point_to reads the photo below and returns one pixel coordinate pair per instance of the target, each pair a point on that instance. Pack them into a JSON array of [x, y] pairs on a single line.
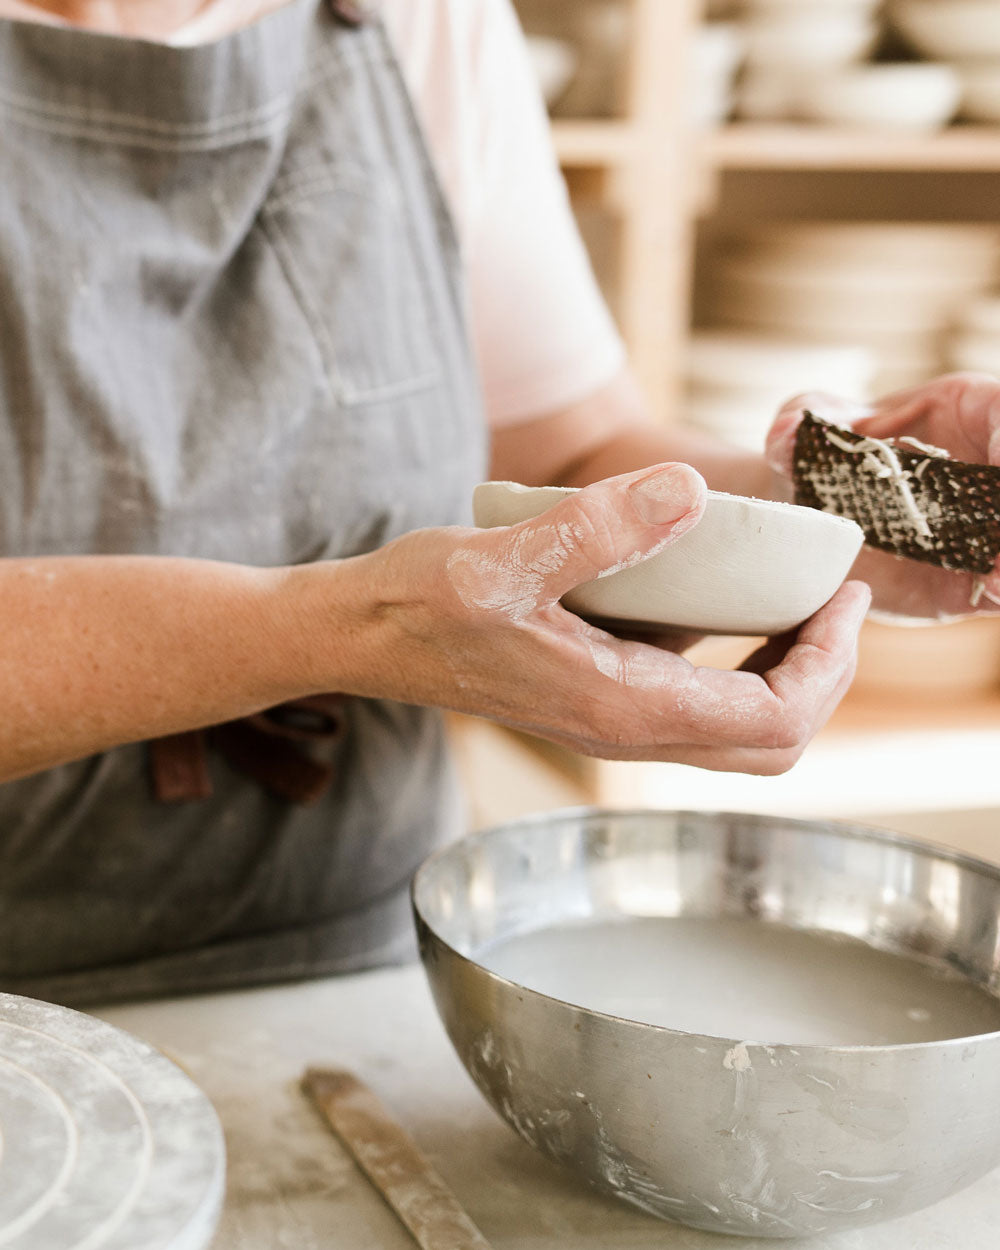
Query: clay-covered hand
[[960, 413], [472, 620]]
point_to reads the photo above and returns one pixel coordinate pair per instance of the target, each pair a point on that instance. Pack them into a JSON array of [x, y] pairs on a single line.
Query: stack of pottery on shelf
[[580, 51], [808, 60], [736, 382], [894, 289], [966, 35]]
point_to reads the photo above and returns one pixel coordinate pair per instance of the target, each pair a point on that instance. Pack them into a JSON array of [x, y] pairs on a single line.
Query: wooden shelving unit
[[664, 174], [969, 149], [594, 144]]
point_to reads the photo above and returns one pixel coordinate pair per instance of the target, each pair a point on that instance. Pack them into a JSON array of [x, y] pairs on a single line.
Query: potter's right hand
[[471, 620]]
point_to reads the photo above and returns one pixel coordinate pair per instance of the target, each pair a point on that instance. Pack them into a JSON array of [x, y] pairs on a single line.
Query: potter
[[282, 282]]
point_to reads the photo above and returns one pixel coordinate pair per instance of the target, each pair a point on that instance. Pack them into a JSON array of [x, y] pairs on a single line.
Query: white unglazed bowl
[[899, 97], [750, 566]]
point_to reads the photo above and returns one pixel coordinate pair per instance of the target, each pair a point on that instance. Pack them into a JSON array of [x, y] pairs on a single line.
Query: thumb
[[779, 449], [608, 526]]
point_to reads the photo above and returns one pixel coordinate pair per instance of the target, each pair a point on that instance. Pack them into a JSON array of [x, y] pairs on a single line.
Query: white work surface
[[292, 1187]]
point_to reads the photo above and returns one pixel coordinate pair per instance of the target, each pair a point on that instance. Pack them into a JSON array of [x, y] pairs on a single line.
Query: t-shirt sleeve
[[542, 331]]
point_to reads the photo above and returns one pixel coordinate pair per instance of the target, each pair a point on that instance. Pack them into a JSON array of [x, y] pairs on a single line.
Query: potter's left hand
[[959, 413]]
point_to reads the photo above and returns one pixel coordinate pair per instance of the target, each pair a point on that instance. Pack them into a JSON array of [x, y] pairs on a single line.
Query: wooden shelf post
[[657, 171]]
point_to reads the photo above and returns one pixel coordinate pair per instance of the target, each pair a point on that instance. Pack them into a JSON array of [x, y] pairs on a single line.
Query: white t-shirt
[[542, 332]]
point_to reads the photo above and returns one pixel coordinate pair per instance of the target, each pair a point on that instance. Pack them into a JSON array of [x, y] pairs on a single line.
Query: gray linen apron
[[230, 327]]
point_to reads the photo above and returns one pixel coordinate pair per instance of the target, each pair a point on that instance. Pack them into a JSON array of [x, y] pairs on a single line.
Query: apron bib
[[231, 327]]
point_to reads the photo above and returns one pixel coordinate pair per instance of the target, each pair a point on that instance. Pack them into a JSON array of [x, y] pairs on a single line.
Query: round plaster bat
[[750, 566], [104, 1143]]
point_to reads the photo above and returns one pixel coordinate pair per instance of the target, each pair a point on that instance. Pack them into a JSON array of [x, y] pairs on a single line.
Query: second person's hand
[[960, 413]]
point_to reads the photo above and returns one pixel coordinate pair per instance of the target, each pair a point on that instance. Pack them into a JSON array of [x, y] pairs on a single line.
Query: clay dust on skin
[[514, 584], [513, 580], [508, 581]]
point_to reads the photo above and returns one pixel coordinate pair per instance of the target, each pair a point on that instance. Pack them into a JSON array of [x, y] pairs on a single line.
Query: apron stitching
[[380, 56], [309, 187], [390, 390], [135, 121], [273, 233], [80, 130], [442, 211], [106, 122]]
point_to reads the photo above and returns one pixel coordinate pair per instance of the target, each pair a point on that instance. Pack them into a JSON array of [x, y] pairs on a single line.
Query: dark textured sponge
[[959, 502]]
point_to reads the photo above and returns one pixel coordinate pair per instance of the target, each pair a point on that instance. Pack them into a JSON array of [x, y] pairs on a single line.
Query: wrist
[[326, 620]]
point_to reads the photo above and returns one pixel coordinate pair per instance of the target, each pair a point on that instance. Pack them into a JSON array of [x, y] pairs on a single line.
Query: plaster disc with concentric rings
[[104, 1143]]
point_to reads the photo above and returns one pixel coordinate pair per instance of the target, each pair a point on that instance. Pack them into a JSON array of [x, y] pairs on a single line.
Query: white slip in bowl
[[750, 566]]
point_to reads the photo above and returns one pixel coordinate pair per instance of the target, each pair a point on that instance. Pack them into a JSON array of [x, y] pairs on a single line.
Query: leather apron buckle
[[349, 12], [266, 747]]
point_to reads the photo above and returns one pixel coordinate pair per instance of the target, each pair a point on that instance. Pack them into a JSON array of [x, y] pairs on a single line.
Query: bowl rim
[[781, 507], [801, 826]]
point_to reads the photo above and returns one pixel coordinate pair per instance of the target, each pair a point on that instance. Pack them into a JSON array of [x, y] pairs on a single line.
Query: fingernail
[[668, 495]]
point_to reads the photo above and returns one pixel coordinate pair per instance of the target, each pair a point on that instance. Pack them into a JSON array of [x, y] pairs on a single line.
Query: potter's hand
[[471, 620], [959, 413]]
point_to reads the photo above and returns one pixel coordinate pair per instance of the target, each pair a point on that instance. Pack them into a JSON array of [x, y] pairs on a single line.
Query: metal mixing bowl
[[787, 1141]]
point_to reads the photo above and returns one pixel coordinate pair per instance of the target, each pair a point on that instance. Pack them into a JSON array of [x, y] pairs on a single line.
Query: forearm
[[611, 432], [99, 651], [723, 468]]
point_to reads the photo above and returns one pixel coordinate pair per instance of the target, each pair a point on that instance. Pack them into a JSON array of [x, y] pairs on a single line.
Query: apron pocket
[[347, 251]]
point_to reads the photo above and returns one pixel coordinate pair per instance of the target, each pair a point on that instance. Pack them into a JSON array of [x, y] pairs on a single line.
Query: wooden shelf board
[[753, 146], [871, 712], [593, 143]]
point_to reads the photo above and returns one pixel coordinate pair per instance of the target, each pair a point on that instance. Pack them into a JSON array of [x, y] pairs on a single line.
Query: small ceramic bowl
[[750, 566], [823, 37], [897, 97]]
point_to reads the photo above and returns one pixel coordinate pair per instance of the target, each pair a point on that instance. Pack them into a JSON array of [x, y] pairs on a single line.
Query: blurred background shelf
[[593, 144], [745, 145], [708, 213]]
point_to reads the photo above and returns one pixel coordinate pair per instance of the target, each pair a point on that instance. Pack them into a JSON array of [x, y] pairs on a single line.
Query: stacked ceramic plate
[[808, 61], [789, 41], [895, 289], [736, 382], [965, 33]]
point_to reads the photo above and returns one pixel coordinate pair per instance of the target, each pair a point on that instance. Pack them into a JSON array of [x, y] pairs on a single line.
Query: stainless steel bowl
[[755, 1137]]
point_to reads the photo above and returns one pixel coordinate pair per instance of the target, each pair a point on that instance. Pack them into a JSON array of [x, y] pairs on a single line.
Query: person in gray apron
[[197, 370], [231, 330]]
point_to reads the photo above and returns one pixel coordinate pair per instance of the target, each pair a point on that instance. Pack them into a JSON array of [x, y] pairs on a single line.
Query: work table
[[291, 1184]]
